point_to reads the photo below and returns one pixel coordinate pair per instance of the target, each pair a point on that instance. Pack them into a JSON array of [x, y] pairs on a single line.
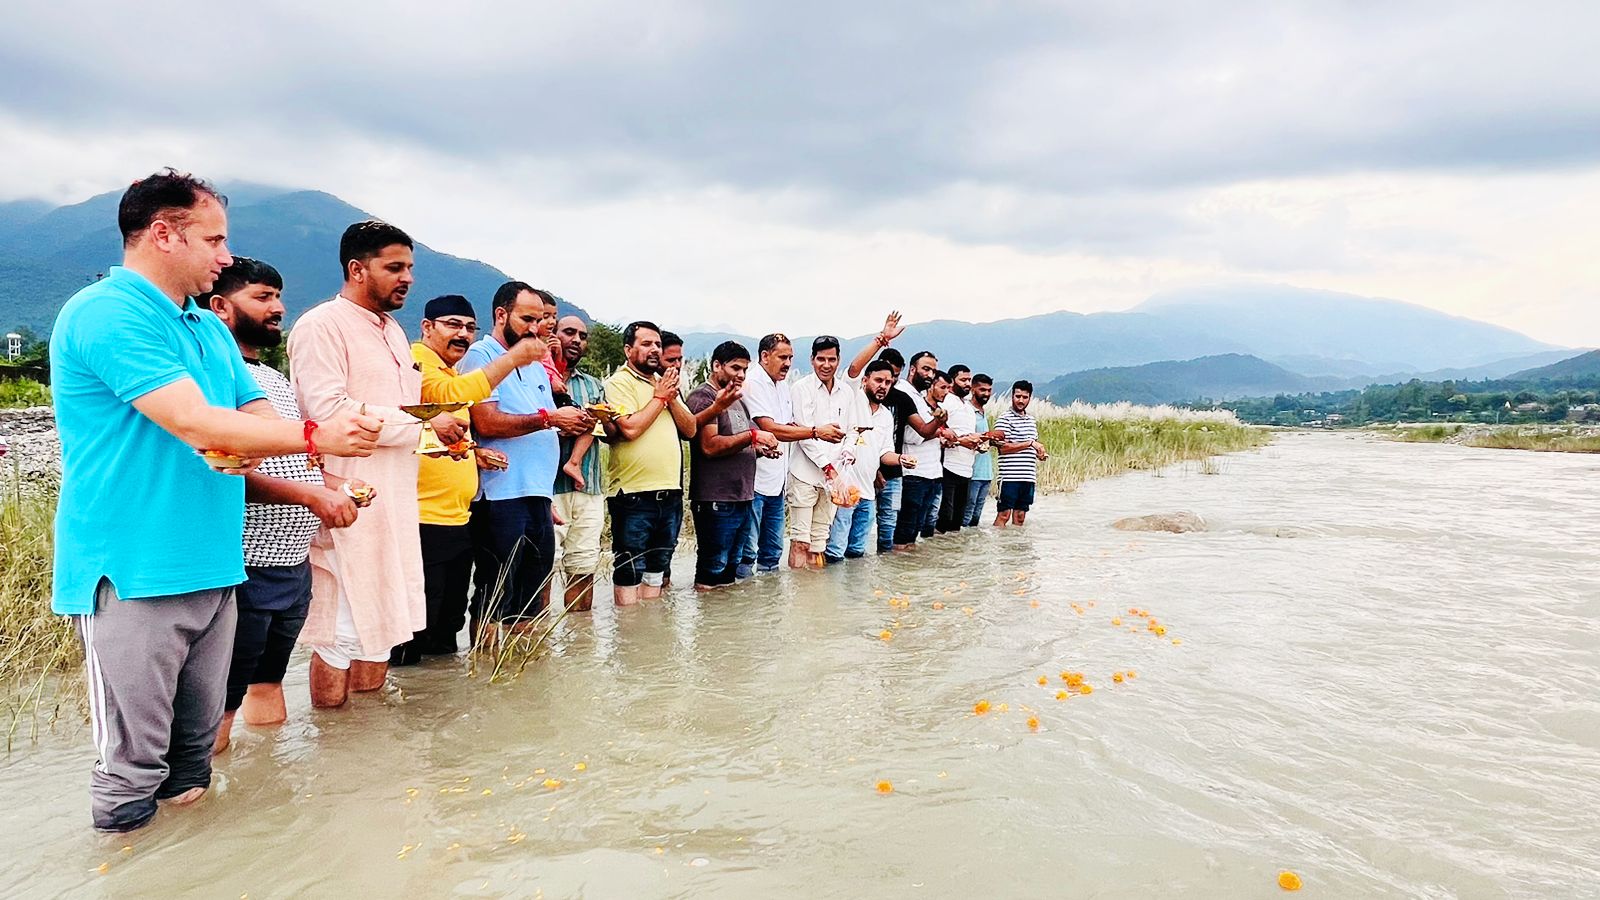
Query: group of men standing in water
[[349, 530]]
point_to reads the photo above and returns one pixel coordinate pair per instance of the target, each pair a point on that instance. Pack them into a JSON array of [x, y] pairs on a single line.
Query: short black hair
[[630, 333], [168, 194], [981, 378], [728, 351], [1022, 386], [771, 341], [364, 240], [824, 342], [878, 365], [893, 357], [920, 354], [244, 271], [668, 339], [548, 298], [506, 294], [957, 369], [941, 375]]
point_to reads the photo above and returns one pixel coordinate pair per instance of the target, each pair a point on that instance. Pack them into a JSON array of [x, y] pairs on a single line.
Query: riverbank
[[1089, 441], [1544, 438]]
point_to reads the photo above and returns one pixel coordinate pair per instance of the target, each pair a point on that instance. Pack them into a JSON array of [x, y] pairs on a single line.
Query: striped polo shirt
[[1018, 427]]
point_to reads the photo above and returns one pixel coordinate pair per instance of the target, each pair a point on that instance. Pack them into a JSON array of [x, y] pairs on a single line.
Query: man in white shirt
[[768, 399], [960, 454], [872, 443], [920, 454], [820, 399]]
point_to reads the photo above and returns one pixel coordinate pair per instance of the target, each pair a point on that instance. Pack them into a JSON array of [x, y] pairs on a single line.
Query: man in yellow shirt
[[447, 484], [646, 466]]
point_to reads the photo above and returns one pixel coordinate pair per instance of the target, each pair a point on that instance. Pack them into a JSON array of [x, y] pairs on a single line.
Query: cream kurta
[[340, 357]]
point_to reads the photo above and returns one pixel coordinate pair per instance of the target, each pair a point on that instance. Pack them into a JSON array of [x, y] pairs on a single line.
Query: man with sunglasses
[[446, 484]]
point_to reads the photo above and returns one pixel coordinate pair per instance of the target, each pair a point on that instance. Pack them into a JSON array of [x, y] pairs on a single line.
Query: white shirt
[[926, 451], [870, 445], [765, 397], [816, 404], [963, 420]]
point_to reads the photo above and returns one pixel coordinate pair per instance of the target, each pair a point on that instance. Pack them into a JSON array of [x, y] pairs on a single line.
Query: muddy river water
[[1385, 678]]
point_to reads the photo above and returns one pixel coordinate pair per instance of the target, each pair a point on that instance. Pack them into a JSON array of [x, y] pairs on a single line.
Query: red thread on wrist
[[544, 418], [313, 459]]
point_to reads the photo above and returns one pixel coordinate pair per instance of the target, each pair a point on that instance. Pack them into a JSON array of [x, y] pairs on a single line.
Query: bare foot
[[224, 733], [574, 471], [188, 797]]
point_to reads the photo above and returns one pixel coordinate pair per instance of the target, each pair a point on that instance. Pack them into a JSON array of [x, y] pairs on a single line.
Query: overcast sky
[[806, 166]]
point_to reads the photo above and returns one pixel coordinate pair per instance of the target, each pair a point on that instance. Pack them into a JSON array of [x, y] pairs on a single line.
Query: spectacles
[[457, 325]]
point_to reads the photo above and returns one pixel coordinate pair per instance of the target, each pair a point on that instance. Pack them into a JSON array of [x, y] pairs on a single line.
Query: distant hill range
[[1350, 340], [47, 254], [1582, 366]]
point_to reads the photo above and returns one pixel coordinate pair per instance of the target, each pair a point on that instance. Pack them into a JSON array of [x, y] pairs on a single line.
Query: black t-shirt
[[902, 408], [730, 478]]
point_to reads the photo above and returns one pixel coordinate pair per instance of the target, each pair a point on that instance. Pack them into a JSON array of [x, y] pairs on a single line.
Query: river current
[[1380, 669]]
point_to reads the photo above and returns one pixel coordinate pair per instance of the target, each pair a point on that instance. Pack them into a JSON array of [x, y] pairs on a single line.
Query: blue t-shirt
[[534, 457], [138, 506]]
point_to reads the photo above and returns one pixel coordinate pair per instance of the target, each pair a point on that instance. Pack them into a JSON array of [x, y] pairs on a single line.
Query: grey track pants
[[158, 674]]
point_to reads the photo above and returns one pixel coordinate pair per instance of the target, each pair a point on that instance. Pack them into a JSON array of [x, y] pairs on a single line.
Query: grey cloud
[[868, 107]]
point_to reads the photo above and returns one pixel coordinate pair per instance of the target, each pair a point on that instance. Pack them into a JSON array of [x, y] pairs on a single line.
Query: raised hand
[[528, 350], [891, 328]]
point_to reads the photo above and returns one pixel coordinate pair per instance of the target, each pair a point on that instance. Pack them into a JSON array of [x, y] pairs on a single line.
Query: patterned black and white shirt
[[278, 534]]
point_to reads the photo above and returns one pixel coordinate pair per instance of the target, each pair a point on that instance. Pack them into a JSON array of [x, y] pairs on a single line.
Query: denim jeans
[[719, 533], [522, 545], [930, 520], [763, 542], [888, 503], [919, 498], [852, 528], [644, 534], [977, 497]]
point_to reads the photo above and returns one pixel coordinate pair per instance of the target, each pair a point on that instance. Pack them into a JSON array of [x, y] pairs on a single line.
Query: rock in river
[[1175, 522]]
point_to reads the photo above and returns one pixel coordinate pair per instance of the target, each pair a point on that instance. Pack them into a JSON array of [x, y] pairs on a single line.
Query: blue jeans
[[719, 532], [763, 542], [930, 521], [644, 534], [851, 530], [919, 498], [522, 544], [888, 503], [977, 497], [1015, 496]]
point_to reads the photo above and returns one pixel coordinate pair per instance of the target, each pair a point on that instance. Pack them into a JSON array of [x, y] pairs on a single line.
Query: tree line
[[1493, 401]]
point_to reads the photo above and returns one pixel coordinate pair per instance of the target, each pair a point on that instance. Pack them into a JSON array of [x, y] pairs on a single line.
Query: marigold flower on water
[[1061, 695], [884, 787], [1085, 688], [552, 783], [1177, 641], [1289, 881], [1033, 723], [1117, 677], [885, 635], [938, 604], [981, 707], [1116, 621], [1043, 680], [1132, 674]]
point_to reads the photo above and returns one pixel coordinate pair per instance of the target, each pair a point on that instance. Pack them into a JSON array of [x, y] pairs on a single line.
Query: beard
[[509, 337], [960, 392], [260, 335], [921, 382]]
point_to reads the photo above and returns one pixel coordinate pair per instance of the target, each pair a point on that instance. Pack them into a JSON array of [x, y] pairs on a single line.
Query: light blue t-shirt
[[983, 463], [138, 506], [534, 457]]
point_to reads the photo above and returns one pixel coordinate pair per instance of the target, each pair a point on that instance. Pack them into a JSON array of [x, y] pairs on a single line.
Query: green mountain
[[1581, 366], [46, 256], [1222, 377]]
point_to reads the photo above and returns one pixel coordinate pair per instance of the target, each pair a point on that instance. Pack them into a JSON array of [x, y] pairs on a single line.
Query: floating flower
[[1033, 723], [1116, 622], [552, 783], [1061, 695], [886, 635], [1033, 603], [981, 707], [1132, 674], [1161, 630], [1177, 641], [967, 610], [884, 787], [1117, 677], [1085, 688], [580, 767], [938, 604], [1289, 881], [1043, 680]]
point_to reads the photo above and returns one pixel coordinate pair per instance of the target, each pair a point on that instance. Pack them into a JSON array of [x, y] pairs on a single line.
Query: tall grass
[[1426, 434], [37, 647], [1549, 440], [22, 393], [1088, 441]]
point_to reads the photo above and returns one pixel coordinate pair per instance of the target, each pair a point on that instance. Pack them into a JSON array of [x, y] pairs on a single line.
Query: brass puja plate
[[425, 411]]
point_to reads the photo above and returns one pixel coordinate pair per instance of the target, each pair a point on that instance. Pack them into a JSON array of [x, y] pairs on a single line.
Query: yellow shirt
[[654, 462], [445, 486]]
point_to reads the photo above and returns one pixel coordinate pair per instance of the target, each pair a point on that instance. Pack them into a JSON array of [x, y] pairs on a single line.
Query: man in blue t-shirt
[[521, 420], [148, 536]]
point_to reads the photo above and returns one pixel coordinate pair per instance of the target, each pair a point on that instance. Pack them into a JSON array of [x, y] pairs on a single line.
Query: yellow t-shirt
[[654, 462], [445, 486]]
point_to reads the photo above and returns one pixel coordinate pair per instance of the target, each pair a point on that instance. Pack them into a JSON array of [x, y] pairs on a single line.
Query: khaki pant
[[578, 541], [810, 513]]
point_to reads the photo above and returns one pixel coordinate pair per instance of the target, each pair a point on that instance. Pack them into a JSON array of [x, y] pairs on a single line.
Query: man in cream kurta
[[349, 352]]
